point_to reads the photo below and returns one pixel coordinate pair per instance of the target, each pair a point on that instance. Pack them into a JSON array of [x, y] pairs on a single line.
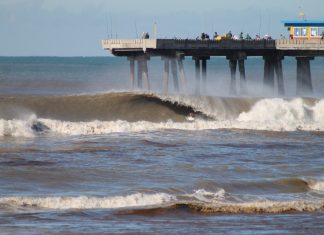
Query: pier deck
[[189, 47]]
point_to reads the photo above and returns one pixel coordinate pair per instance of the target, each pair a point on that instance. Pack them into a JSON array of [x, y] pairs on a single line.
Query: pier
[[174, 51]]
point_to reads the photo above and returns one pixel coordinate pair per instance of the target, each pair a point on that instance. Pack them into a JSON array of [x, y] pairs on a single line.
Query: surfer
[[39, 127]]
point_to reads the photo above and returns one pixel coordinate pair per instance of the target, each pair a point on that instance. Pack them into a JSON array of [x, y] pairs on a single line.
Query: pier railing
[[130, 44], [294, 44], [197, 47]]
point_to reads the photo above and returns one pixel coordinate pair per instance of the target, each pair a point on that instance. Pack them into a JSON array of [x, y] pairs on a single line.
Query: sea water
[[80, 152]]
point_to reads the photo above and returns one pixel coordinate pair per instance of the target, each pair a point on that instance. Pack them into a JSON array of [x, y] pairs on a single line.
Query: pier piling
[[233, 65], [241, 62], [197, 73], [304, 78], [166, 74], [175, 74], [204, 73], [268, 75], [131, 60], [182, 73], [145, 73], [279, 74], [139, 73]]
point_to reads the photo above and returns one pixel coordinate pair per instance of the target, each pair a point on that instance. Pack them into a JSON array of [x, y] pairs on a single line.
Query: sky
[[76, 27]]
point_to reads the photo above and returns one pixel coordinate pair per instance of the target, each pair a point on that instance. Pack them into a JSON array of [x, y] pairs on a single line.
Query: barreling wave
[[132, 112], [129, 107]]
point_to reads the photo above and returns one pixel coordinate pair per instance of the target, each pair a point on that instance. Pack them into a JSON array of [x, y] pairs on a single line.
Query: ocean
[[83, 153]]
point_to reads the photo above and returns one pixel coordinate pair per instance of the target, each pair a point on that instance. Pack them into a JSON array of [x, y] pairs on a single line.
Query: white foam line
[[86, 202]]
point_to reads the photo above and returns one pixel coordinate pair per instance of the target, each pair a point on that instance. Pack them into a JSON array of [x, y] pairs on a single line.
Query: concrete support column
[[131, 60], [182, 74], [234, 59], [233, 65], [142, 71], [197, 72], [145, 74], [241, 62], [139, 73], [204, 73], [279, 75], [166, 74], [304, 78], [268, 78], [175, 74], [309, 83]]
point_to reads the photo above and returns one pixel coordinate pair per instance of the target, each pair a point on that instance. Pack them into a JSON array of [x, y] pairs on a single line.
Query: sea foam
[[89, 202]]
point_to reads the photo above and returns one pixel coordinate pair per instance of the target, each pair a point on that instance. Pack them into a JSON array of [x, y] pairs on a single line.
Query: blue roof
[[319, 23]]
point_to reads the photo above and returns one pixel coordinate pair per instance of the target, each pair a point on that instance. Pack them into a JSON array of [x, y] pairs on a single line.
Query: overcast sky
[[75, 27]]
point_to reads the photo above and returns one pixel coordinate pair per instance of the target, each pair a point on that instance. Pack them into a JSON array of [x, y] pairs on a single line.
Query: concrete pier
[[236, 51]]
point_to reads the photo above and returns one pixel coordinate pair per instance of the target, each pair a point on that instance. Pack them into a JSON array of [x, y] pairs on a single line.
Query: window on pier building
[[304, 32], [321, 31], [314, 32], [297, 32]]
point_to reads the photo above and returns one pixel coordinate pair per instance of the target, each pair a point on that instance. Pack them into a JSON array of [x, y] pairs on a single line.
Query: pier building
[[305, 29]]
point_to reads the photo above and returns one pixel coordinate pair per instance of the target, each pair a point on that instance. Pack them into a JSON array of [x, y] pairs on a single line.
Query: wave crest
[[127, 112], [256, 207], [87, 202]]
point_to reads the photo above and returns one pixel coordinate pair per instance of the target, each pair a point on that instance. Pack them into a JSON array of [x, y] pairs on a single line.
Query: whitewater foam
[[265, 206], [88, 202], [17, 128], [206, 196], [317, 185]]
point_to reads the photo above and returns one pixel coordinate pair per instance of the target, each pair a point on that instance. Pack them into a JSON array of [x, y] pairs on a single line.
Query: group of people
[[229, 35], [204, 36], [145, 35]]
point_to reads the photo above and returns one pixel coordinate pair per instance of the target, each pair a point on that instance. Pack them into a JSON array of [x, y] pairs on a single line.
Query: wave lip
[[87, 202]]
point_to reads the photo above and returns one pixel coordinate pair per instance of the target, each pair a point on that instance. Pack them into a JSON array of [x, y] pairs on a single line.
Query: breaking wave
[[133, 112], [87, 202], [256, 207], [200, 200]]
